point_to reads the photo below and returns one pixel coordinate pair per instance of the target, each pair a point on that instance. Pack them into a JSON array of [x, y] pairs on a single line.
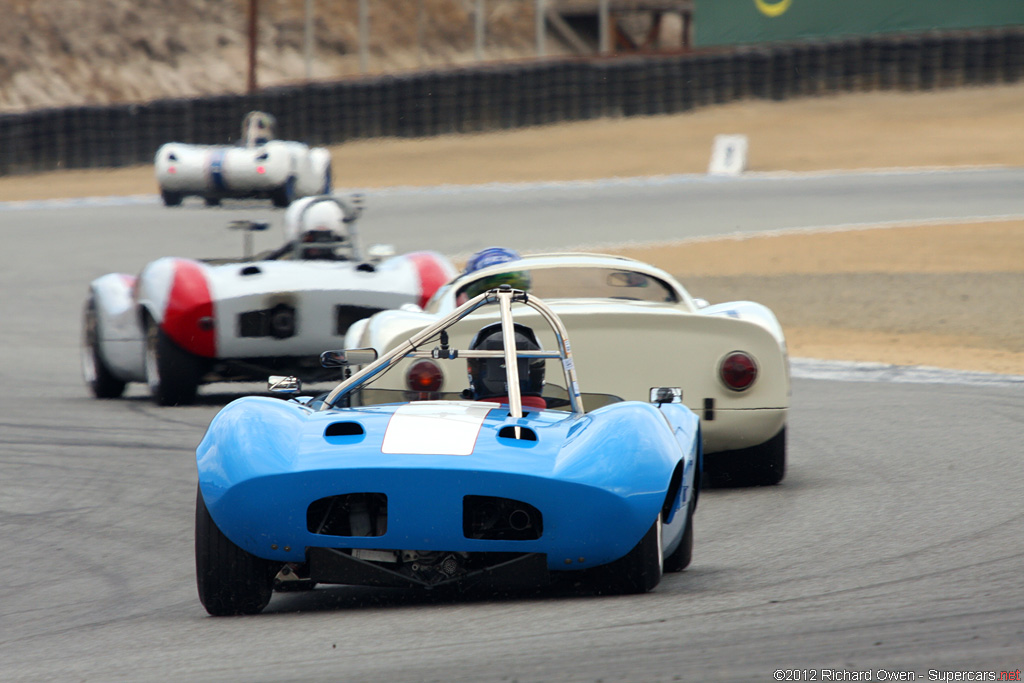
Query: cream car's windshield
[[576, 283]]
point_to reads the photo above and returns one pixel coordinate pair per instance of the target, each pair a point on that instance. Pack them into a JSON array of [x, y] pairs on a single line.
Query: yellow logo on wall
[[773, 8]]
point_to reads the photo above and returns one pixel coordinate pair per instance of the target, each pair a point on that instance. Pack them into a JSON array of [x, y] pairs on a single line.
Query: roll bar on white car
[[503, 296]]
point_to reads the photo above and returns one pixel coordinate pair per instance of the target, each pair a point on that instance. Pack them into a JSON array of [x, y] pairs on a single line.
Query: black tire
[[761, 465], [95, 372], [639, 571], [211, 201], [230, 580], [171, 198], [284, 195], [683, 554], [172, 373]]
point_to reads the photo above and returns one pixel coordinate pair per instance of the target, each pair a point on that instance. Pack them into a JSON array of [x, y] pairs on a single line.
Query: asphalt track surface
[[894, 544]]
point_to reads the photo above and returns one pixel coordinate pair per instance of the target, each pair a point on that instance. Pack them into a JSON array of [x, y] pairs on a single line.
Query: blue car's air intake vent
[[524, 433], [344, 429], [351, 514], [500, 519]]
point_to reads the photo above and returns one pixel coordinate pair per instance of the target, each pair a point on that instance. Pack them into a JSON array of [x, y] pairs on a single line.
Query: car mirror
[[666, 395], [344, 357], [284, 384], [379, 252], [247, 228]]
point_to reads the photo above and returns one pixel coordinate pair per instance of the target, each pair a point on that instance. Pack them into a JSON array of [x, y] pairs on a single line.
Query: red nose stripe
[[189, 302], [432, 274]]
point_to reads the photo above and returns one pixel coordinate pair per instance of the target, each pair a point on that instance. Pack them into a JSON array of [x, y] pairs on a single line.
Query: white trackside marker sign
[[728, 155]]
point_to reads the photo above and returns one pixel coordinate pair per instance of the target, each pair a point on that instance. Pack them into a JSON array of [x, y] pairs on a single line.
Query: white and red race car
[[183, 322], [259, 166]]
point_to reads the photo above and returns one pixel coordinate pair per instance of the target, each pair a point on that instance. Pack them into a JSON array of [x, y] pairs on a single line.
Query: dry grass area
[[991, 247], [947, 296], [940, 295]]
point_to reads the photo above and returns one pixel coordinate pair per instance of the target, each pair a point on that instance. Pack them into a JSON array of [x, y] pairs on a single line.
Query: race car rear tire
[[284, 195], [211, 201], [172, 373], [683, 554], [761, 465], [171, 198], [639, 571], [230, 580], [97, 375]]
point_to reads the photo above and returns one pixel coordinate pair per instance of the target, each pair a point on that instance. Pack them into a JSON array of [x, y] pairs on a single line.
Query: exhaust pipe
[[519, 520]]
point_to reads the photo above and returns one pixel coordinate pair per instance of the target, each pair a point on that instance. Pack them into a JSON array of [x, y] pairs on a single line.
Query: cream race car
[[259, 166], [633, 327]]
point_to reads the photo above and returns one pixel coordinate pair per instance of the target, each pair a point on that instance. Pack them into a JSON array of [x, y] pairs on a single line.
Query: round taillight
[[738, 371], [424, 376]]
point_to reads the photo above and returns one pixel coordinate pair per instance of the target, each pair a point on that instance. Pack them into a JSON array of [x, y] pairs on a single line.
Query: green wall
[[728, 22]]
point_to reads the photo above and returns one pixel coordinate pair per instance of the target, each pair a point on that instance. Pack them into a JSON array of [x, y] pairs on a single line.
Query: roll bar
[[504, 296]]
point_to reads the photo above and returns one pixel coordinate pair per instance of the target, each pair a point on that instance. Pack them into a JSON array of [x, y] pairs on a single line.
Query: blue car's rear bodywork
[[429, 492], [597, 480]]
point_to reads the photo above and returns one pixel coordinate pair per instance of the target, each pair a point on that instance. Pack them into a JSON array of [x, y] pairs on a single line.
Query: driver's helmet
[[491, 256], [487, 378], [315, 226], [257, 128]]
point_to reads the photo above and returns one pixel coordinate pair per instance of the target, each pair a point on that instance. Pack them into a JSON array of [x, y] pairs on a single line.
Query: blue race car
[[508, 483]]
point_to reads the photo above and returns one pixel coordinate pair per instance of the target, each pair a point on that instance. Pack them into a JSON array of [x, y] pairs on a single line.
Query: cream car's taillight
[[738, 371]]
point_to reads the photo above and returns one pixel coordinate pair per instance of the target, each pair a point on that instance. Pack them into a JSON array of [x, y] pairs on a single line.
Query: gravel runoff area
[[940, 295]]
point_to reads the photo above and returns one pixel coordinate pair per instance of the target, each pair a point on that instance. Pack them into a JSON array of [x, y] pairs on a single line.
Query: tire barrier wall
[[499, 97]]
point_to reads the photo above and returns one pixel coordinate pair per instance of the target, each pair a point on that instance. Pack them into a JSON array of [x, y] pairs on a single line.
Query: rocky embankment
[[72, 52]]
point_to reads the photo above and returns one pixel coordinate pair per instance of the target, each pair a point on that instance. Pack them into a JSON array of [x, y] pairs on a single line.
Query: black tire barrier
[[760, 74], [1014, 67], [506, 96]]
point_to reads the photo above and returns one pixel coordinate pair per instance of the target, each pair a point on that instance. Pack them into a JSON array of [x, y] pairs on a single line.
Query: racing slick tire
[[171, 198], [683, 554], [97, 375], [761, 465], [284, 195], [211, 201], [230, 580], [639, 571], [172, 373]]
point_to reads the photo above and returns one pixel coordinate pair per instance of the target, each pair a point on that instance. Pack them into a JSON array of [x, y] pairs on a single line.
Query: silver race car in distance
[[259, 166]]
